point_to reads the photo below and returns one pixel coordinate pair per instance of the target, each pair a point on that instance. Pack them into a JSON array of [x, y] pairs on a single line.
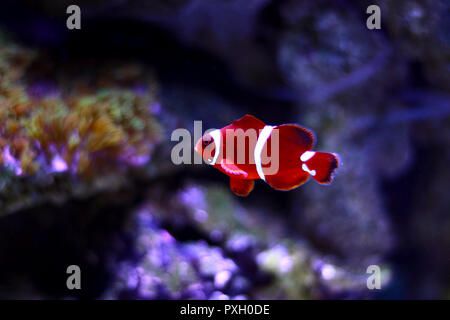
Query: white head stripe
[[306, 169], [263, 136], [216, 137], [307, 155]]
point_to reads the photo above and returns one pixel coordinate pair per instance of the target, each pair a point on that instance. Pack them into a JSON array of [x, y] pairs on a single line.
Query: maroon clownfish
[[281, 155]]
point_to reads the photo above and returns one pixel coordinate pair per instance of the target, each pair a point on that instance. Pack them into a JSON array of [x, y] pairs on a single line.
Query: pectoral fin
[[241, 187], [232, 170]]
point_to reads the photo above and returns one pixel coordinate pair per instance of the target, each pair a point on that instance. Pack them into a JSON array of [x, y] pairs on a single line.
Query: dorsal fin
[[248, 121], [297, 135]]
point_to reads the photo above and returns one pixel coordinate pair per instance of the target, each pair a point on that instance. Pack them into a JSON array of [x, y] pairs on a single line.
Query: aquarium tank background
[[87, 182]]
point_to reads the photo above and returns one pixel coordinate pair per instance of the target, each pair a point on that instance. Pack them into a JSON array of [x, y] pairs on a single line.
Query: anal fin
[[287, 180], [241, 187]]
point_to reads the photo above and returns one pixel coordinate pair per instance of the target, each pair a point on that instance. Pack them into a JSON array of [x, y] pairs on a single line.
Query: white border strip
[[306, 169], [307, 155], [216, 135], [263, 136]]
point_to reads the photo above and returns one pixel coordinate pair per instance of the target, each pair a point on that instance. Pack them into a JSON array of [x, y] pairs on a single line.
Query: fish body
[[282, 156]]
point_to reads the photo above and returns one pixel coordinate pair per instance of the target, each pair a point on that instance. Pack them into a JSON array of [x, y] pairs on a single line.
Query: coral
[[247, 253], [86, 125], [171, 269]]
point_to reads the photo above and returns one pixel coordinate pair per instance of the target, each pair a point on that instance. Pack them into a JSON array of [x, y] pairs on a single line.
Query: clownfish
[[282, 156]]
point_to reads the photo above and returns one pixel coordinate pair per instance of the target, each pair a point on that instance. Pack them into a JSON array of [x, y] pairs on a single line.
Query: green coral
[[94, 121]]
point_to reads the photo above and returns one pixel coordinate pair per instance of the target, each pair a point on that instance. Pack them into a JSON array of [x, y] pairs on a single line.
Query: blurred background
[[85, 172]]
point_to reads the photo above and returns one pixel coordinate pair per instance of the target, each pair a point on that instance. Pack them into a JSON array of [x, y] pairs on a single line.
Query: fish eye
[[207, 141]]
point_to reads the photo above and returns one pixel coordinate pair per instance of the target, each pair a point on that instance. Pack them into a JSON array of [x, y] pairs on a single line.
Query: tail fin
[[320, 165]]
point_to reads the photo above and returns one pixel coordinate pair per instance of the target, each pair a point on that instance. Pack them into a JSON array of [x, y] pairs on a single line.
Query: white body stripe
[[306, 169], [262, 139], [307, 155], [216, 135]]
